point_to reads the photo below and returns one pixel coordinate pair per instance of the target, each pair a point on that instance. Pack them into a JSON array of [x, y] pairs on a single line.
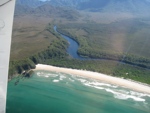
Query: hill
[[131, 6], [113, 30], [47, 10]]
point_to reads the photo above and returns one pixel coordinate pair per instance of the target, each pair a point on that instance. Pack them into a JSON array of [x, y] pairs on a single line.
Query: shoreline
[[130, 84]]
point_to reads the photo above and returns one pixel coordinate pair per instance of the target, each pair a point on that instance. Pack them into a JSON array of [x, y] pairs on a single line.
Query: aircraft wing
[[6, 21]]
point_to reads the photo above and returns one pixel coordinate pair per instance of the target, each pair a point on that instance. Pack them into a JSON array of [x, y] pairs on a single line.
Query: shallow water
[[49, 92]]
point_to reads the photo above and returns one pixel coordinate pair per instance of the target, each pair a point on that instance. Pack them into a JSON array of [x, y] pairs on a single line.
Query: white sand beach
[[99, 76]]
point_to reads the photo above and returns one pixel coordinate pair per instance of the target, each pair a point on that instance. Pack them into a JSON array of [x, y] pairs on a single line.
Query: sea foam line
[[119, 94]]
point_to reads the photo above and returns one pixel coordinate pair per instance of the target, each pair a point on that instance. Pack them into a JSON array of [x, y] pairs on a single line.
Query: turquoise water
[[49, 92]]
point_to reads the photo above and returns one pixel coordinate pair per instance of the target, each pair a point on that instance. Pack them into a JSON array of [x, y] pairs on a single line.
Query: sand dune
[[99, 76]]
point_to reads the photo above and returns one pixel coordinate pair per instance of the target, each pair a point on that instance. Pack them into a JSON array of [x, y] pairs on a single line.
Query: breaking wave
[[118, 92]]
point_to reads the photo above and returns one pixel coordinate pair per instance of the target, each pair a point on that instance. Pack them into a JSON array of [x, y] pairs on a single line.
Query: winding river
[[73, 46]]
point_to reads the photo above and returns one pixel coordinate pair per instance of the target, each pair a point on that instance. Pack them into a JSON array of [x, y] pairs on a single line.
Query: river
[[73, 46], [52, 92]]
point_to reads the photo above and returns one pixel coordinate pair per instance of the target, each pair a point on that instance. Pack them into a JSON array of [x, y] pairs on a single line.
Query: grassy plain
[[97, 32], [130, 36], [29, 36]]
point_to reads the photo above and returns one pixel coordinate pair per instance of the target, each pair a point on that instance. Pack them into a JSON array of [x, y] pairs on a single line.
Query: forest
[[101, 41], [55, 54]]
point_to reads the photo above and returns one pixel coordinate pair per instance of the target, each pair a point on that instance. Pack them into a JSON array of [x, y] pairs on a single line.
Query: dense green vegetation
[[56, 49], [19, 66], [56, 55], [116, 41], [112, 68]]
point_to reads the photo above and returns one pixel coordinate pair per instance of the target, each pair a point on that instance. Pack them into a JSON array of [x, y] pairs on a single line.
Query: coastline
[[136, 86]]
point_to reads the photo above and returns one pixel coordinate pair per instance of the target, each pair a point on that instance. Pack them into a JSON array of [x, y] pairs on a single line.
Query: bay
[[51, 92]]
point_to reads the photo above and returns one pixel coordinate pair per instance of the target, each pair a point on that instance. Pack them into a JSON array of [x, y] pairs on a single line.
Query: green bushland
[[108, 67], [18, 66], [56, 55], [99, 41], [56, 49]]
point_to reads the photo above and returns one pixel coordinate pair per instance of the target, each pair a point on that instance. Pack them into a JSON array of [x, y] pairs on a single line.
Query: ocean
[[53, 92]]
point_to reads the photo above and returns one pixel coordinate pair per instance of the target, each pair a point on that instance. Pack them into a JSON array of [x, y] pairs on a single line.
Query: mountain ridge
[[131, 6], [47, 10]]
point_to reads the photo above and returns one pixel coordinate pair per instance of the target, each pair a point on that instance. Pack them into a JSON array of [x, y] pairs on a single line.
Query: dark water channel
[[73, 46]]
